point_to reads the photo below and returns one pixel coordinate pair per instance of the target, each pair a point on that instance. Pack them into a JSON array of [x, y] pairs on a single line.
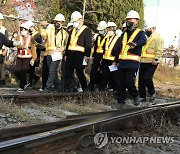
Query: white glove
[[32, 62]]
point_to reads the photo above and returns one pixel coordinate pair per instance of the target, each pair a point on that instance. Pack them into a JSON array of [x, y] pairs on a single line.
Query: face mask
[[24, 33], [57, 25], [148, 33], [130, 25], [110, 33], [75, 24], [101, 32]]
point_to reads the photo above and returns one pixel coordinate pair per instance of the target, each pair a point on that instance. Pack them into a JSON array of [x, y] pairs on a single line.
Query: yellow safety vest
[[125, 55], [74, 38], [108, 48], [100, 44], [50, 43], [60, 38], [54, 41], [1, 52], [145, 53]]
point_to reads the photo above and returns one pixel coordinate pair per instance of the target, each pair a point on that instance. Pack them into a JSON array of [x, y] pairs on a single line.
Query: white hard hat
[[132, 14], [69, 24], [149, 25], [102, 25], [118, 32], [1, 16], [24, 25], [124, 25], [59, 17], [75, 16], [29, 23], [111, 24]]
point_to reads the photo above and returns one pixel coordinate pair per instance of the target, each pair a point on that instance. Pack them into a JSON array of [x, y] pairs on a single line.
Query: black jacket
[[140, 41], [75, 58], [4, 41]]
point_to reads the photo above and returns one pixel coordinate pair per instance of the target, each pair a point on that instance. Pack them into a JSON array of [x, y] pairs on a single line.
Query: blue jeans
[[53, 77]]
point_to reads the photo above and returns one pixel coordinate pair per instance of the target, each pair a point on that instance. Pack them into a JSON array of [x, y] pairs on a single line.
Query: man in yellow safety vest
[[56, 41], [109, 76], [78, 51], [97, 55], [150, 58], [128, 59]]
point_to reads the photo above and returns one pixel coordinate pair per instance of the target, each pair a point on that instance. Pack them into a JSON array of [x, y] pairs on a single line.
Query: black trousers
[[146, 73], [107, 77], [32, 74], [95, 73], [63, 69], [69, 75], [45, 72], [126, 79], [20, 70]]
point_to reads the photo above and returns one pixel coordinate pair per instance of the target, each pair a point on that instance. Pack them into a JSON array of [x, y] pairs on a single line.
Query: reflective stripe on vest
[[100, 44], [50, 44], [60, 38], [145, 53], [25, 53], [125, 55], [74, 38], [108, 48]]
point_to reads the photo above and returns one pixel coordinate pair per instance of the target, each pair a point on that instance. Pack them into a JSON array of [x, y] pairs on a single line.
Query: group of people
[[117, 57]]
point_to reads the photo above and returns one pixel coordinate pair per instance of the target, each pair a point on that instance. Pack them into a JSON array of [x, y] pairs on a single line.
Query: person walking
[[97, 55], [26, 55], [128, 58], [150, 58], [78, 51], [55, 46], [109, 75]]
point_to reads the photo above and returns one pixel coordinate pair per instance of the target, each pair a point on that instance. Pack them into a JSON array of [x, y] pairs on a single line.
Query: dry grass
[[90, 103], [9, 108], [162, 124], [46, 109], [165, 74]]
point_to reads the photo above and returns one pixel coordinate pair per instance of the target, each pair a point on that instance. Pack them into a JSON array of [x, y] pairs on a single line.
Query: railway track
[[37, 95], [77, 130]]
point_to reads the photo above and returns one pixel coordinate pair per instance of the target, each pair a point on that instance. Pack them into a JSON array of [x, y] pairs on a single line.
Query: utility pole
[[84, 8]]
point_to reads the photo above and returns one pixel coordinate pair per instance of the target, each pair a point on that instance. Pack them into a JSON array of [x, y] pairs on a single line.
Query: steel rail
[[10, 133], [49, 95], [84, 125]]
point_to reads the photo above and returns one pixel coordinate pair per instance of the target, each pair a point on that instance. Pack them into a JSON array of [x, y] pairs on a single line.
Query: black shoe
[[28, 85], [137, 101], [66, 91], [120, 105], [48, 90], [143, 99], [152, 98]]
